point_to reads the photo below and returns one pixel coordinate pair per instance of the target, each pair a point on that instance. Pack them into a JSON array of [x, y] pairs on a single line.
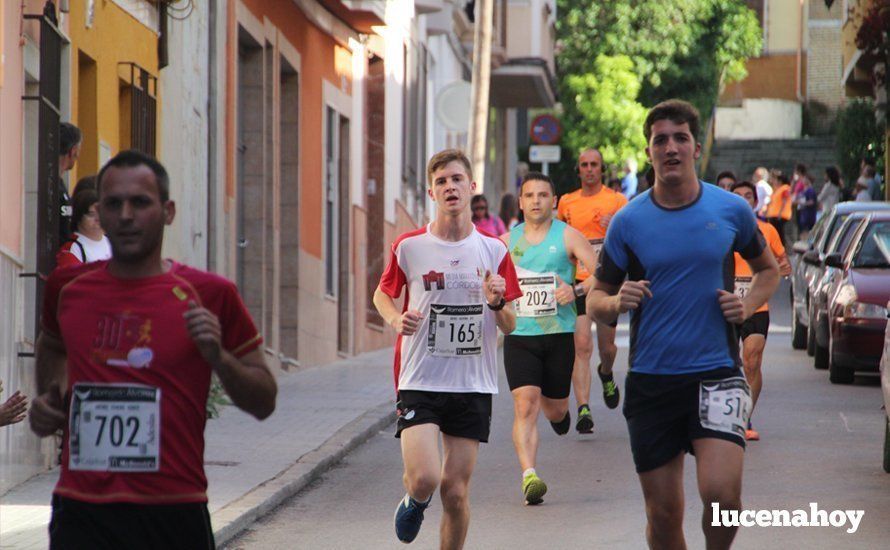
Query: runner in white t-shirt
[[459, 287]]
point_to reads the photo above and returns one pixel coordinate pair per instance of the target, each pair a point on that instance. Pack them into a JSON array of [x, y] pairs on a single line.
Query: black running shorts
[[545, 361], [662, 412], [77, 525], [457, 414], [755, 324]]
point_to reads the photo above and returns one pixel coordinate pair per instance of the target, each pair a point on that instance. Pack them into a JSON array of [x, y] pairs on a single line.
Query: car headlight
[[859, 310]]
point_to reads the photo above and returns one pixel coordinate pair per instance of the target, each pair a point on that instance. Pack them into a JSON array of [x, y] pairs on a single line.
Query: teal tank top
[[537, 311]]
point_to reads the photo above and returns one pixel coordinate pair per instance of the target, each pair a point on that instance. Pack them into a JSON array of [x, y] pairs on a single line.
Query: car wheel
[[820, 358], [811, 335], [798, 332], [836, 373], [887, 445]]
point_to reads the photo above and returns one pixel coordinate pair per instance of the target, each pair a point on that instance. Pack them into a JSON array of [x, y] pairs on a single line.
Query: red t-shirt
[[139, 374]]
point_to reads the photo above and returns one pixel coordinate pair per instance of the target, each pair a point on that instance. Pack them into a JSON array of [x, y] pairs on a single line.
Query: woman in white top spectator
[[831, 191], [88, 243]]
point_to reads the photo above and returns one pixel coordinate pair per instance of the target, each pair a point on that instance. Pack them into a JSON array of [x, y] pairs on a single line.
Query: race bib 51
[[725, 405]]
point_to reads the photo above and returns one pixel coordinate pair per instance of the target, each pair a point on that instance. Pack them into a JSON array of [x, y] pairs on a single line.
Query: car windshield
[[874, 247], [836, 223], [841, 240]]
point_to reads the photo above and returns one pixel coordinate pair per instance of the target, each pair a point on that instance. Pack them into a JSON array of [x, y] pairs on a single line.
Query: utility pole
[[479, 96]]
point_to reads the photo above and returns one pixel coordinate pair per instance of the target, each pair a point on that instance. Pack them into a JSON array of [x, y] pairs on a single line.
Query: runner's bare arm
[[579, 248], [248, 382], [47, 414], [247, 379], [607, 301], [50, 357], [404, 323], [495, 287]]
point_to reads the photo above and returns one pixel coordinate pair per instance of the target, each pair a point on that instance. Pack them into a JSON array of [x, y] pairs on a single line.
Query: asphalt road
[[820, 443]]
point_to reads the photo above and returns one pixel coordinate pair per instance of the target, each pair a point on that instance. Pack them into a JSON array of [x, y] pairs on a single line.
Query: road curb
[[236, 516]]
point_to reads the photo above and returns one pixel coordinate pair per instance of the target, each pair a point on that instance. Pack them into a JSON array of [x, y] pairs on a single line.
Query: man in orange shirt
[[753, 331], [778, 211], [589, 210]]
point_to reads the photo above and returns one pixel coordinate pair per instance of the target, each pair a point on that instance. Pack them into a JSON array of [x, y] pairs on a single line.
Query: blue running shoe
[[409, 517]]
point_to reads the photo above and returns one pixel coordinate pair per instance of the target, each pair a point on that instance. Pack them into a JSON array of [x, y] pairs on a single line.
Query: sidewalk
[[322, 414]]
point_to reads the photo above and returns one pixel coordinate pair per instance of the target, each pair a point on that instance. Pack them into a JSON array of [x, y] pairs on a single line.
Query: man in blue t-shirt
[[668, 259]]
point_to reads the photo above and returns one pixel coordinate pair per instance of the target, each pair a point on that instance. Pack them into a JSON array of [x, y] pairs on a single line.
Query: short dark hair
[[132, 158], [726, 174], [833, 175], [84, 183], [801, 168], [782, 177], [537, 176], [477, 199], [675, 110], [747, 184], [81, 203], [69, 137], [445, 157]]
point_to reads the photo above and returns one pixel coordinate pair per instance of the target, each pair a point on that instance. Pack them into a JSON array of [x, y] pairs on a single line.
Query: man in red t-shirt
[[133, 341]]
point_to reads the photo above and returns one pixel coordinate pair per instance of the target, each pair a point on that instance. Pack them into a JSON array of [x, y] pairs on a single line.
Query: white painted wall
[[759, 119], [184, 135]]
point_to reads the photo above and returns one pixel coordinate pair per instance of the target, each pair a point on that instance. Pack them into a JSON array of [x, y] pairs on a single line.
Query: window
[[414, 119]]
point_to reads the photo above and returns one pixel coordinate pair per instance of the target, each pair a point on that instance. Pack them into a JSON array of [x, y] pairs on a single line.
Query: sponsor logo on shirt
[[434, 277], [123, 341], [455, 262]]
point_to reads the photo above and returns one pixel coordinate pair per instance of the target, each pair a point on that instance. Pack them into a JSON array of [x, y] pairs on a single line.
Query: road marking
[[846, 424]]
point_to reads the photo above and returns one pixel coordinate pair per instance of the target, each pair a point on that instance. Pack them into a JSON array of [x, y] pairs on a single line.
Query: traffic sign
[[544, 153], [545, 130]]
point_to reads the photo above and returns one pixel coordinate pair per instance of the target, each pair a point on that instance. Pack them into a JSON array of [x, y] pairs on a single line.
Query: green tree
[[602, 105], [679, 48], [859, 135]]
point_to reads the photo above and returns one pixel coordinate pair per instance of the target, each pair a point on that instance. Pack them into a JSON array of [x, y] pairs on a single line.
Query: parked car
[[808, 255], [885, 386], [857, 313], [825, 284]]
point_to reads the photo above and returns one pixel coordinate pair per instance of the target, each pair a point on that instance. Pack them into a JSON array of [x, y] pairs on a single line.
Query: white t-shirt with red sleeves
[[455, 346]]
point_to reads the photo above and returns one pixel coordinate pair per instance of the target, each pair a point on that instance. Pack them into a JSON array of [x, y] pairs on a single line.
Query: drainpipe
[[797, 75], [212, 172]]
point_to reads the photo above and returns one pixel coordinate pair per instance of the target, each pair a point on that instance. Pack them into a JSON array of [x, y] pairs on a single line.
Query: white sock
[[528, 471]]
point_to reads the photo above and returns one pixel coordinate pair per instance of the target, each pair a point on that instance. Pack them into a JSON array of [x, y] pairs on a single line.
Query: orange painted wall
[[317, 58], [771, 76]]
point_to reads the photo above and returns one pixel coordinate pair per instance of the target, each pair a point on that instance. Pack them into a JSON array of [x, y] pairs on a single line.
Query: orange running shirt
[[743, 273], [584, 214], [783, 193]]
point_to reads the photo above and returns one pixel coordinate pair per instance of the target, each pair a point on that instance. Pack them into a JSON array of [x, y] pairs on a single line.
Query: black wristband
[[498, 307]]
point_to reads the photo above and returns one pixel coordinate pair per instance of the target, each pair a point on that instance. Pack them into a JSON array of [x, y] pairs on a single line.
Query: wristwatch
[[500, 305], [579, 290]]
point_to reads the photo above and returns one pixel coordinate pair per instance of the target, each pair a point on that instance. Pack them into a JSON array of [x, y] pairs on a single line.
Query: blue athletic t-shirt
[[687, 254]]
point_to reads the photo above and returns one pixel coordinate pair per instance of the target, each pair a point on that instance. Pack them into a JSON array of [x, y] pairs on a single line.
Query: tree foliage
[[653, 50], [604, 101], [859, 135]]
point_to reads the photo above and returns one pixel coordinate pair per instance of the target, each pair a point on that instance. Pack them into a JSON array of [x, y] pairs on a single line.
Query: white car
[[885, 387]]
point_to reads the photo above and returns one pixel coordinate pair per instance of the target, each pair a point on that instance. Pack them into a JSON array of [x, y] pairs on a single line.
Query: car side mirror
[[834, 260], [811, 257], [800, 247]]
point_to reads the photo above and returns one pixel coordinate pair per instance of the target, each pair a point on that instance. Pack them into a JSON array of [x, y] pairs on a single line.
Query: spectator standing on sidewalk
[[764, 191], [482, 218], [807, 206], [831, 191], [509, 213], [69, 150]]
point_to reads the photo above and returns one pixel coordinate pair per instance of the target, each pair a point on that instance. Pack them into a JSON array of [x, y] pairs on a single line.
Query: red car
[[857, 311]]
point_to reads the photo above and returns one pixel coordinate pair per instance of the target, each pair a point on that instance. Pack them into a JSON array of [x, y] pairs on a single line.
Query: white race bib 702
[[115, 428]]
